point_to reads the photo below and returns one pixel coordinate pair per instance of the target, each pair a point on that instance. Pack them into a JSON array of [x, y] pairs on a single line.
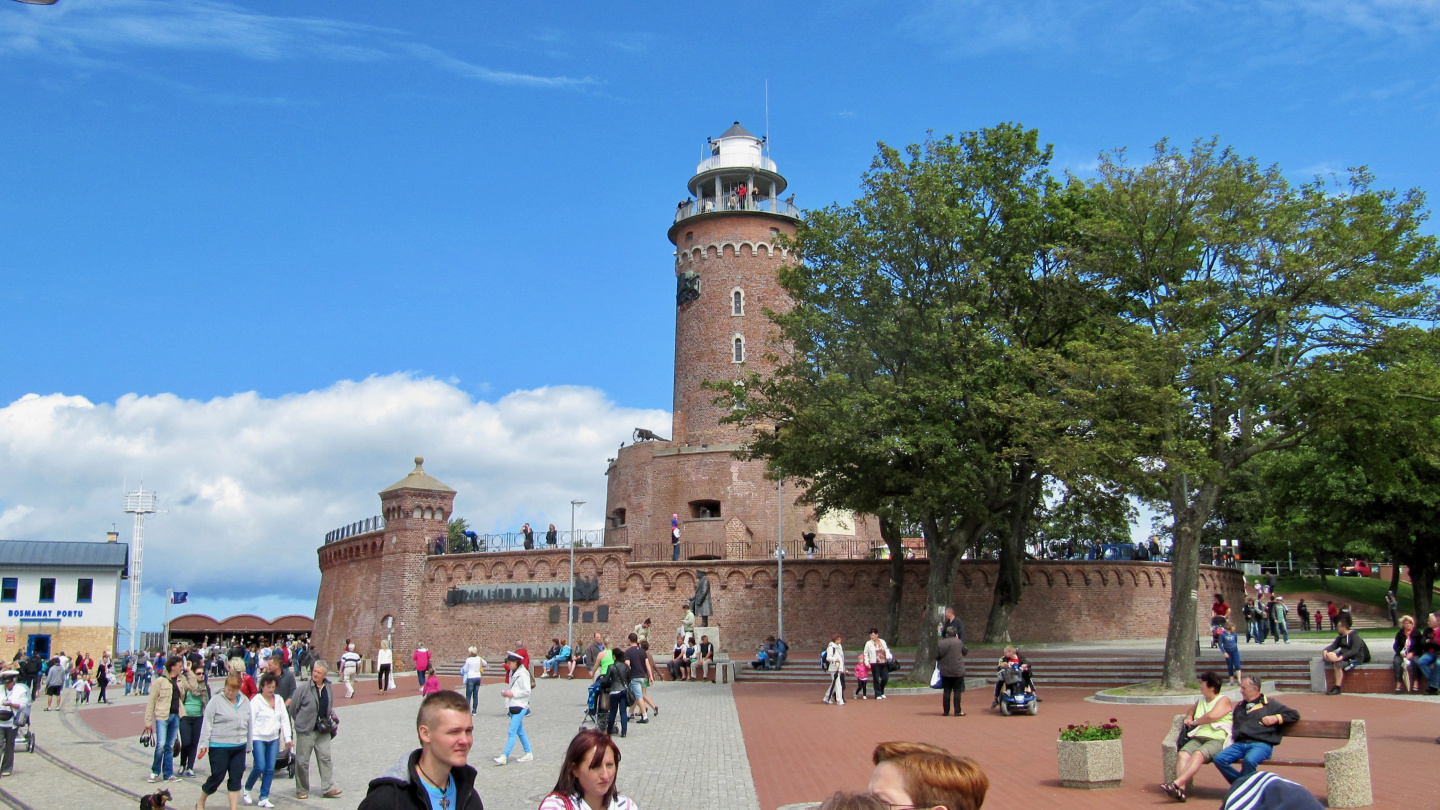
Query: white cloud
[[88, 31], [252, 484]]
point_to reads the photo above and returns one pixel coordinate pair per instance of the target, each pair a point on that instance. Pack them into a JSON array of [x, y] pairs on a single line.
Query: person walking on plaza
[[950, 660], [1304, 616], [194, 697], [16, 700], [517, 703], [384, 659], [616, 682], [1257, 719], [162, 717], [642, 630], [54, 683], [877, 657], [471, 673], [952, 620], [1219, 614], [1209, 723], [835, 665], [310, 709], [349, 668], [284, 678], [270, 729], [1230, 646], [638, 663], [432, 682], [1393, 606], [102, 680], [225, 735], [862, 678], [1279, 624], [652, 674], [437, 774], [421, 659], [588, 776], [1334, 614]]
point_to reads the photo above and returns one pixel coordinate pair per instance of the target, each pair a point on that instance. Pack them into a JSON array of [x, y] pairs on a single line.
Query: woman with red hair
[[926, 777], [587, 779]]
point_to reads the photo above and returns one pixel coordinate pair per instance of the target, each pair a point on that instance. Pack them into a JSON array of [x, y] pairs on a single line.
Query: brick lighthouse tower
[[726, 261]]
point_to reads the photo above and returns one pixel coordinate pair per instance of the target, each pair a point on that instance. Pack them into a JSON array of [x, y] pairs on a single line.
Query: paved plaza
[[756, 745], [692, 755]]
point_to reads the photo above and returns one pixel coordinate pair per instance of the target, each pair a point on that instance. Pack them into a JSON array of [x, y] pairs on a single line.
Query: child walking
[[862, 678]]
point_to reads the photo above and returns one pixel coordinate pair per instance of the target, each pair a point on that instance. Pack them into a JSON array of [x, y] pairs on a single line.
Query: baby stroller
[[285, 762], [1013, 697], [593, 711]]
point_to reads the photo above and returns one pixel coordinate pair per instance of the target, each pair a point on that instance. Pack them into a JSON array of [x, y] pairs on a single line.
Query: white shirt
[[19, 700], [875, 651], [267, 723], [350, 660], [473, 668], [382, 657], [554, 802], [835, 657], [519, 689]]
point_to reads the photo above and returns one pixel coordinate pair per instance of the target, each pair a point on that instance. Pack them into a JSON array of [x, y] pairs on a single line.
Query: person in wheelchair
[[14, 716], [1012, 669]]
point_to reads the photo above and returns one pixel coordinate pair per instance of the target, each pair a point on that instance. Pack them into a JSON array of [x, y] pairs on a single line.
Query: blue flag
[[179, 597]]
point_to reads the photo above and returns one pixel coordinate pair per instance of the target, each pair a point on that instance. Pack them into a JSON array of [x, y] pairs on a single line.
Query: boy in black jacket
[[435, 774], [1257, 730], [1345, 653]]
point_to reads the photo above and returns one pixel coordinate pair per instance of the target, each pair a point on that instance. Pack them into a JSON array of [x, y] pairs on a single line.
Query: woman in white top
[[471, 672], [877, 657], [835, 665], [517, 702], [383, 659], [269, 730], [587, 779]]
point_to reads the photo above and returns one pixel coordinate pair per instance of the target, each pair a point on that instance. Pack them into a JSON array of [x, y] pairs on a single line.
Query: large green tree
[[934, 365], [1243, 282]]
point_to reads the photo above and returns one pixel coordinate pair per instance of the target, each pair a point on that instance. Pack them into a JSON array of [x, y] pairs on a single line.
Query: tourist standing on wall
[[349, 668], [878, 658], [435, 774], [517, 703], [552, 537], [527, 534], [384, 659], [675, 538], [950, 661], [421, 659], [835, 665], [471, 672]]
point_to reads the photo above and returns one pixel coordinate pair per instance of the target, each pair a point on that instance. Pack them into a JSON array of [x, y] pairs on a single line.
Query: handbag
[[935, 678]]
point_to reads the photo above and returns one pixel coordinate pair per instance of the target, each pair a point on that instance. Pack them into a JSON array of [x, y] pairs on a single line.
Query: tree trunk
[[890, 531], [1395, 577], [944, 550], [1180, 637], [1010, 579], [1422, 582]]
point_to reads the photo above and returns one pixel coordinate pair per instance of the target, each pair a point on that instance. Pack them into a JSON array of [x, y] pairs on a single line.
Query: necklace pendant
[[444, 804]]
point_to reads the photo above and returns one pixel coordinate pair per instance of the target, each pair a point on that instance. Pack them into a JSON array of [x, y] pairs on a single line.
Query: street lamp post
[[780, 556], [570, 609]]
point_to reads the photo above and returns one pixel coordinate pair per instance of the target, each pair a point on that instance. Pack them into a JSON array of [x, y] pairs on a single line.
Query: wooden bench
[[1347, 769]]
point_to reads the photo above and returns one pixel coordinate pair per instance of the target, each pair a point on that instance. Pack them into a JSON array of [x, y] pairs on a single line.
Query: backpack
[[1364, 650], [824, 659]]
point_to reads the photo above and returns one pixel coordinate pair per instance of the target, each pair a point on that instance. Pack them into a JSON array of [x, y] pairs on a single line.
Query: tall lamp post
[[780, 555], [570, 609]]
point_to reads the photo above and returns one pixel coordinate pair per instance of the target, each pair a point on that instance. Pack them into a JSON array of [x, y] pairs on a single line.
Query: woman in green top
[[194, 694], [1209, 725]]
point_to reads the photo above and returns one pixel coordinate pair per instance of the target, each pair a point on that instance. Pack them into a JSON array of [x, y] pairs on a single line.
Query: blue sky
[[229, 212]]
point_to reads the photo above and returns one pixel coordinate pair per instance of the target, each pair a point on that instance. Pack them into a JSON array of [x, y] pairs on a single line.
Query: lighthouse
[[727, 256]]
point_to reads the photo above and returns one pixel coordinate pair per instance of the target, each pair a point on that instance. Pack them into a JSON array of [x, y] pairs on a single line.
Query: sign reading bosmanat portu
[[586, 590]]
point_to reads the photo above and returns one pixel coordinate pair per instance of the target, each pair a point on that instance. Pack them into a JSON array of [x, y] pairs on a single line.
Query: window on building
[[737, 303], [84, 590], [47, 589], [619, 517], [9, 589], [704, 509], [739, 349]]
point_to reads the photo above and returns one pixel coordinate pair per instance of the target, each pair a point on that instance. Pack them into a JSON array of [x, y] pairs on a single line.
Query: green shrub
[[1085, 732]]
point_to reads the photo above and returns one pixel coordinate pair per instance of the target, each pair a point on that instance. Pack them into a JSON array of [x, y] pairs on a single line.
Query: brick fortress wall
[[1063, 601]]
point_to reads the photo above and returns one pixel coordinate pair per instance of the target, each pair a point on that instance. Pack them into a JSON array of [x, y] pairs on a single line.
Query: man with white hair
[[349, 666], [311, 709]]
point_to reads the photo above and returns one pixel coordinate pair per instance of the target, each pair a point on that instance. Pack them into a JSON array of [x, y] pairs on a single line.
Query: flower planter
[[1097, 765]]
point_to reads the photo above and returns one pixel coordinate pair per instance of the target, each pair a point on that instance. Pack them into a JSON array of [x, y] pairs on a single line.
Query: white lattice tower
[[138, 503]]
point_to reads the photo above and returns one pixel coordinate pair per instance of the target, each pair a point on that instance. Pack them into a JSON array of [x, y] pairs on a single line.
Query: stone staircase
[[1064, 669]]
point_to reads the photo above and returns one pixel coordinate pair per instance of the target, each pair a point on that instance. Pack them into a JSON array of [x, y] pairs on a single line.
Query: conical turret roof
[[417, 479], [736, 130]]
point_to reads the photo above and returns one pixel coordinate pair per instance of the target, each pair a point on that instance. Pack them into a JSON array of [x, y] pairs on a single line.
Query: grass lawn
[[1355, 589]]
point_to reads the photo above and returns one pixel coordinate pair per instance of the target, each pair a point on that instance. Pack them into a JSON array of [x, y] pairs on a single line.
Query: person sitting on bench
[[1346, 652], [1257, 721]]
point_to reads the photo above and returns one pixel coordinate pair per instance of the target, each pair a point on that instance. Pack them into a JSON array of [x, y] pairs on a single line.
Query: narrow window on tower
[[737, 302], [739, 349]]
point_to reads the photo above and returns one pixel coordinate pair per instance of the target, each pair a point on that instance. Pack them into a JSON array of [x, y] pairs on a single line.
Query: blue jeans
[[1278, 628], [674, 552], [1253, 753], [619, 701], [1429, 666], [265, 753], [165, 733], [517, 729], [552, 665], [472, 693]]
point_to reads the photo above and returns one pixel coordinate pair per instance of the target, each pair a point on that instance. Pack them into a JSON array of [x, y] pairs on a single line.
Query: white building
[[60, 597]]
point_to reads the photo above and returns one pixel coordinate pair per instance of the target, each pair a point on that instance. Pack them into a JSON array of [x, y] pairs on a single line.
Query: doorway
[[38, 645]]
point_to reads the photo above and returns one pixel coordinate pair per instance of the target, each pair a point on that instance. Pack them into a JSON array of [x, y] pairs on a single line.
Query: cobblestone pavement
[[692, 754]]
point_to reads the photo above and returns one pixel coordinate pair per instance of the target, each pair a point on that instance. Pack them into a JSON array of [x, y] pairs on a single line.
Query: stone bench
[[1369, 679], [1347, 769]]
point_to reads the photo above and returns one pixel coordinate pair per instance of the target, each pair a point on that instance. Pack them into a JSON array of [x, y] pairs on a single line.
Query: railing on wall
[[732, 202], [370, 524], [515, 541], [824, 549]]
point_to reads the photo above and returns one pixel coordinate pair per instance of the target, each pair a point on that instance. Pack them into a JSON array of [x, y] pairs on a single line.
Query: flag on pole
[[179, 597]]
